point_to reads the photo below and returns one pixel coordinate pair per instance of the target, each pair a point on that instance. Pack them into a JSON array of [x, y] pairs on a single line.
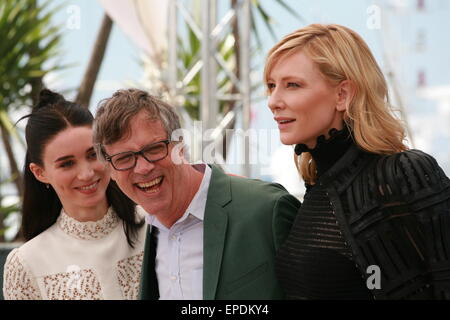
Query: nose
[[276, 100], [86, 172], [143, 166]]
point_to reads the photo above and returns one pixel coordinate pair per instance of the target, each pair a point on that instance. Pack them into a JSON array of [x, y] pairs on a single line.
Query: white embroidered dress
[[75, 260]]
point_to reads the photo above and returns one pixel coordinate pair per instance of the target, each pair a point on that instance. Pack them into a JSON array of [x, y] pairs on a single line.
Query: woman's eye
[[66, 164], [293, 85], [92, 155], [270, 86]]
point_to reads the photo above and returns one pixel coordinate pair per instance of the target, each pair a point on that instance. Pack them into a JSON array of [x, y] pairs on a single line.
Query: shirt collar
[[198, 204]]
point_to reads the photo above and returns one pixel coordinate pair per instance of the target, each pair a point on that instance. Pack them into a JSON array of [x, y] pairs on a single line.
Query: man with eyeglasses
[[210, 235]]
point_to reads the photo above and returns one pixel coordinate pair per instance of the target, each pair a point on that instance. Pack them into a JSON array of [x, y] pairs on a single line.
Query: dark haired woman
[[84, 237]]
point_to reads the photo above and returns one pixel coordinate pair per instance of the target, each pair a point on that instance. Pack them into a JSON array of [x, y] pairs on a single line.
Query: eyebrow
[[151, 143], [290, 78], [72, 156], [64, 158], [141, 148]]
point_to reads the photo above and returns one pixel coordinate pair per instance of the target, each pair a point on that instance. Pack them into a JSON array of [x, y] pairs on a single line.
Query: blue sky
[[402, 25], [121, 60]]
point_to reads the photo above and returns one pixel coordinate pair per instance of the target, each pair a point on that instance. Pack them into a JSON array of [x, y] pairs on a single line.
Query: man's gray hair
[[112, 120]]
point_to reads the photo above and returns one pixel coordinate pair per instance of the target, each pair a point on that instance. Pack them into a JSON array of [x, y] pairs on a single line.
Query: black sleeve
[[426, 191]]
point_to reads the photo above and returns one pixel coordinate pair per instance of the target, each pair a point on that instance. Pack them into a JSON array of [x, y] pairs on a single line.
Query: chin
[[97, 198], [287, 140], [156, 205]]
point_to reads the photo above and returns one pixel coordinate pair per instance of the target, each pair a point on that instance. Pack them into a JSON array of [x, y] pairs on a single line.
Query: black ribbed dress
[[315, 262]]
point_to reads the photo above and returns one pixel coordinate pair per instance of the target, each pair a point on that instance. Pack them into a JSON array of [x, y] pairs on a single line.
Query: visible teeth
[[91, 186], [285, 121], [150, 183]]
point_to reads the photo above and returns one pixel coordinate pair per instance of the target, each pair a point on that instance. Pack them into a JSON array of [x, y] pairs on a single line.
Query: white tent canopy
[[143, 21]]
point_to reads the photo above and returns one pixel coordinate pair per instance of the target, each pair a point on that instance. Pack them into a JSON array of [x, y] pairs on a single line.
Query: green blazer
[[245, 223]]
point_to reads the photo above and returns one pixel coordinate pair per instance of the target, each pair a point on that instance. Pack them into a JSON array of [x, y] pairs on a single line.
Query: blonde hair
[[341, 54]]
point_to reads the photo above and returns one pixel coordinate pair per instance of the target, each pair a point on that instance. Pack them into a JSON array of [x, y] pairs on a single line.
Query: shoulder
[[33, 249], [247, 193], [262, 196], [415, 157], [418, 167], [257, 188], [265, 203], [12, 257], [406, 173], [15, 263], [18, 281], [242, 186]]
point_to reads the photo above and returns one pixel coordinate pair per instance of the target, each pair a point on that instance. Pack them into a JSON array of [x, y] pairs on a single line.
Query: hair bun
[[48, 98]]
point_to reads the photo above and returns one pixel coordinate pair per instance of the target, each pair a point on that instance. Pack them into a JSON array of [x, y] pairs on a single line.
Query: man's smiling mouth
[[150, 186]]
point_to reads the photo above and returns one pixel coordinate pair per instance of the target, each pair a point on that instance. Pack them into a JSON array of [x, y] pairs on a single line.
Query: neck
[[84, 214], [193, 180], [328, 150]]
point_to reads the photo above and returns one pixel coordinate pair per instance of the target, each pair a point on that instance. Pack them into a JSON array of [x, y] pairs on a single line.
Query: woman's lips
[[283, 123], [89, 188]]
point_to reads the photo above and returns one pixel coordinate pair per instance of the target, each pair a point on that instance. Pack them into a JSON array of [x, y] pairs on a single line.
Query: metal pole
[[208, 102], [172, 67], [205, 51], [245, 81], [387, 42], [213, 101]]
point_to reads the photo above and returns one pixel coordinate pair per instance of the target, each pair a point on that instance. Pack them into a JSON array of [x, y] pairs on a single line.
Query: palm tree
[[87, 84], [5, 211], [29, 45]]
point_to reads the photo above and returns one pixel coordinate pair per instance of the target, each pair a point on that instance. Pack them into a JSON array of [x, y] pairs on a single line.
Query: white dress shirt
[[179, 253]]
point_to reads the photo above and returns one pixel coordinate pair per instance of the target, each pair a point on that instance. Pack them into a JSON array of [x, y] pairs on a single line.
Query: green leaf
[[30, 44], [290, 9]]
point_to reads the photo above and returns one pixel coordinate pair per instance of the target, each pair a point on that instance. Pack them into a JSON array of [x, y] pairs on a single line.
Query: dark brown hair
[[41, 206]]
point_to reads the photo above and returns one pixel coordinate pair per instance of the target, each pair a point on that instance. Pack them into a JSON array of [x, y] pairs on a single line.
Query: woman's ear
[[39, 172], [346, 91]]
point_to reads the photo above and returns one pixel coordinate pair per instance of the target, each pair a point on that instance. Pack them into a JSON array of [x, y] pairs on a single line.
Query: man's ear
[[346, 90], [179, 153], [39, 172], [181, 146]]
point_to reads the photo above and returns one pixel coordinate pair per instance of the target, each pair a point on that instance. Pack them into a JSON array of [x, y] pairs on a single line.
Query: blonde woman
[[375, 221]]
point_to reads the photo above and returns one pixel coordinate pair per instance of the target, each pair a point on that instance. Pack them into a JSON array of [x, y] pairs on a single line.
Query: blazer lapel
[[149, 282], [215, 227]]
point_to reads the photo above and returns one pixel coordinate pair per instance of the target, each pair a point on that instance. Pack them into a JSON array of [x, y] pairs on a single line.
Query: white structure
[[154, 26]]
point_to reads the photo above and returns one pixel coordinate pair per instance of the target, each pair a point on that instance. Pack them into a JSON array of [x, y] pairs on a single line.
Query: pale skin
[[304, 104], [164, 188], [71, 167]]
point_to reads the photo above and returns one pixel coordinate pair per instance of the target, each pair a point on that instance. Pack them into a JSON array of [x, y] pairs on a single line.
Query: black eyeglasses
[[126, 160]]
